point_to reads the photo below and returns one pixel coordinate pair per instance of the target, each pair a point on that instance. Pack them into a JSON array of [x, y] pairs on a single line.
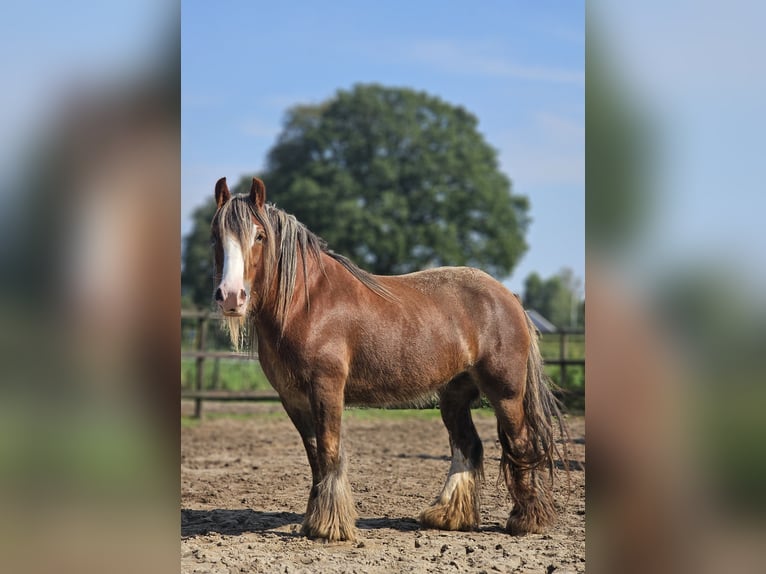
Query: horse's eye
[[259, 238]]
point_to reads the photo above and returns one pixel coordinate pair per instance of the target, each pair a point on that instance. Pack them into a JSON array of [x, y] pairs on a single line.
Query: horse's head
[[238, 237]]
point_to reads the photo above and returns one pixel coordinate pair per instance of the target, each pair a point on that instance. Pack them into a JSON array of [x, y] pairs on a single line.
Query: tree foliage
[[398, 181], [556, 298], [197, 272]]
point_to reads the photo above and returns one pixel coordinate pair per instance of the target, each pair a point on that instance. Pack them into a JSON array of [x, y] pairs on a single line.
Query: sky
[[49, 59], [518, 66], [700, 92]]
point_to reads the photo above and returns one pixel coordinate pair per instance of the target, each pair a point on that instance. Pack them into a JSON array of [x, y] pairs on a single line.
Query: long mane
[[286, 239]]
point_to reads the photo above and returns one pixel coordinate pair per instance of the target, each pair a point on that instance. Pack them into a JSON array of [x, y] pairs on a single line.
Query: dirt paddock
[[245, 483]]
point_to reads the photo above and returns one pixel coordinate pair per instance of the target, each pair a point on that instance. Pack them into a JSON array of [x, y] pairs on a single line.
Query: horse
[[330, 334]]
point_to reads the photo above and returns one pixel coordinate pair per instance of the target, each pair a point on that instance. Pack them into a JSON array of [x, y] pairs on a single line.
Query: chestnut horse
[[331, 334]]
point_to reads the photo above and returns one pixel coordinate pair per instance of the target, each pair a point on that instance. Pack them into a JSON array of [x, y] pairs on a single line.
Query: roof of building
[[542, 324]]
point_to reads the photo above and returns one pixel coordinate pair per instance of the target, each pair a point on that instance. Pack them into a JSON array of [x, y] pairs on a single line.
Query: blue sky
[[518, 66], [700, 93], [53, 49]]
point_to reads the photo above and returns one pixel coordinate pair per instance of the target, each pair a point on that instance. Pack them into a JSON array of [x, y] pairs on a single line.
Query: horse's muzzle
[[231, 303]]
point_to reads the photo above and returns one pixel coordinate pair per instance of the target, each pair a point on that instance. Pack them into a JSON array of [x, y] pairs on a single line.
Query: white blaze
[[233, 263], [233, 274]]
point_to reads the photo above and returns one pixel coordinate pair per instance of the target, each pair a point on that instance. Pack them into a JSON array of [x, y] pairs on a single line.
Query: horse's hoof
[[329, 533], [534, 519], [445, 517]]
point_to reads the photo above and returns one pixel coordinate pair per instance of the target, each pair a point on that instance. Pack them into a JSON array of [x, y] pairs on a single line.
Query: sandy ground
[[245, 482]]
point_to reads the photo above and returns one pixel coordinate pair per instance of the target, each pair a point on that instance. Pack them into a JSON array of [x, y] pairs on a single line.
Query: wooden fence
[[200, 354], [563, 360]]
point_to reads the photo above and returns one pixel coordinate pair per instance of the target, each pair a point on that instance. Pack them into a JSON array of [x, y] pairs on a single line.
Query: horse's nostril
[[218, 294], [243, 294]]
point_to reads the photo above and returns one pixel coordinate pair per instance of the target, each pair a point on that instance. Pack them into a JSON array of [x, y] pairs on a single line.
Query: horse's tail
[[542, 412]]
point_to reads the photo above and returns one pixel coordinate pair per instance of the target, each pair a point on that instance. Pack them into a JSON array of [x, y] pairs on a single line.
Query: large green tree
[[397, 180]]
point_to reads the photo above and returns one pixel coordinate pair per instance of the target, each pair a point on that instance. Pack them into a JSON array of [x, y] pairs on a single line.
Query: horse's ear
[[222, 194], [258, 193]]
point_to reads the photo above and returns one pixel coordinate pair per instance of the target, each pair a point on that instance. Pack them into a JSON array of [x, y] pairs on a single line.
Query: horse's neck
[[266, 322]]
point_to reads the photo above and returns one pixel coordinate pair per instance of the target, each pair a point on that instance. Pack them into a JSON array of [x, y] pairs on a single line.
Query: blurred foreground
[[675, 314], [88, 313]]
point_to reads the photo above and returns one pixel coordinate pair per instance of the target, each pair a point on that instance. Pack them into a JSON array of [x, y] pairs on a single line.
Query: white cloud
[[454, 58]]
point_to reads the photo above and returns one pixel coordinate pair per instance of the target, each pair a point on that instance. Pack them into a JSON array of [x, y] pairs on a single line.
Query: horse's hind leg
[[522, 468], [457, 506], [330, 514]]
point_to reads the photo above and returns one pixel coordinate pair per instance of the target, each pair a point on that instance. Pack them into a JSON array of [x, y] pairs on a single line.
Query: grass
[[550, 346], [575, 377], [189, 422], [225, 375]]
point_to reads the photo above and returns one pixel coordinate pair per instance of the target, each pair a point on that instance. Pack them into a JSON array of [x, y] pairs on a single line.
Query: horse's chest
[[280, 373]]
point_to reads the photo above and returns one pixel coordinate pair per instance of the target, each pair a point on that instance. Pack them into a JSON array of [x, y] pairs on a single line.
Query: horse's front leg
[[299, 412], [331, 514]]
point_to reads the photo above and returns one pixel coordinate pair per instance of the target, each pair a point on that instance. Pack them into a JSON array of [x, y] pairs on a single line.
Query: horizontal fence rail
[[200, 354], [219, 355], [231, 395]]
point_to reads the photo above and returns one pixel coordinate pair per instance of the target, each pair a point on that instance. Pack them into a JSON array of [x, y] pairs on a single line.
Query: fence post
[[200, 363], [562, 356]]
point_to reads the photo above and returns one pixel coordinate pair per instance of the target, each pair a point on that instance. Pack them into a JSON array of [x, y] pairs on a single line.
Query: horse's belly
[[402, 379]]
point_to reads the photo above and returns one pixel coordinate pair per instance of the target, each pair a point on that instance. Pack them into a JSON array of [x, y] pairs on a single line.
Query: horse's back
[[439, 279], [452, 288]]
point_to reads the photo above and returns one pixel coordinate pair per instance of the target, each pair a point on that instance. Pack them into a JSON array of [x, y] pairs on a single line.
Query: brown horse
[[330, 334]]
